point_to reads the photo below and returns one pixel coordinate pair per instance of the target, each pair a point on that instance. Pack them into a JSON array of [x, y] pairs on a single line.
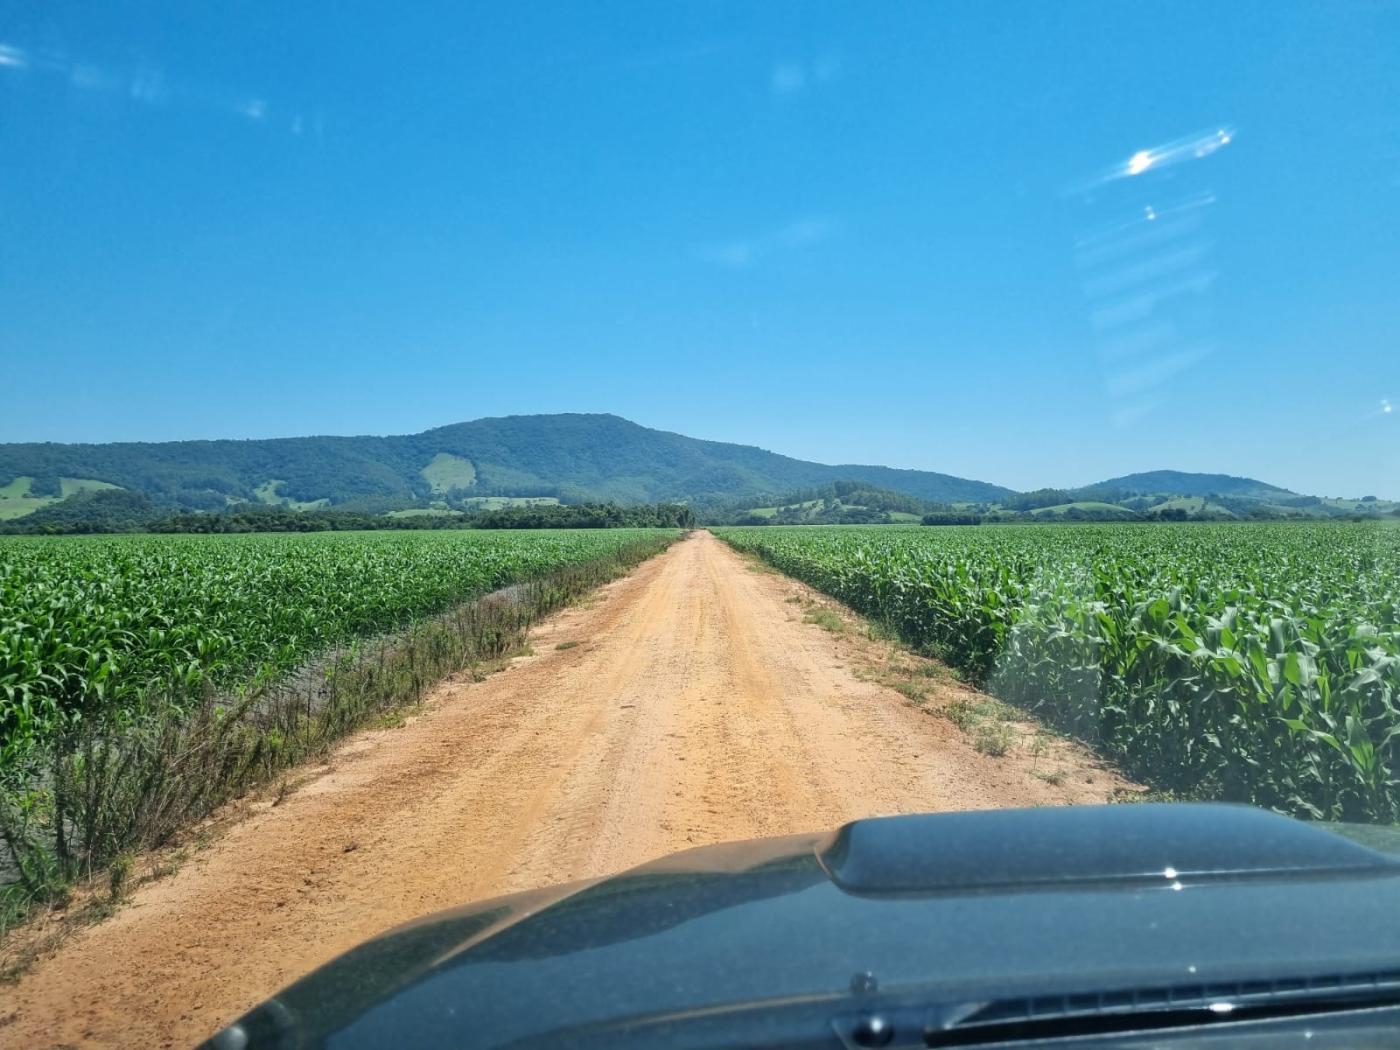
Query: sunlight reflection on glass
[[1145, 271], [1192, 147], [1164, 264], [1182, 209], [1141, 306], [1139, 162], [143, 84]]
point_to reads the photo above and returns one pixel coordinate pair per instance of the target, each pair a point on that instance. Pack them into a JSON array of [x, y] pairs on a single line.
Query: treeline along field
[[144, 679], [1257, 663]]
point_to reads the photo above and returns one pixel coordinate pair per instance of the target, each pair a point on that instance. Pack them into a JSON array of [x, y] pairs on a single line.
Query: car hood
[[946, 907]]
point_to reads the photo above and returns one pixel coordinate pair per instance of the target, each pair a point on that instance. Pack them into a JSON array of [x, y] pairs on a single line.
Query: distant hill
[[1174, 495], [573, 457], [1153, 496], [839, 503], [1179, 483]]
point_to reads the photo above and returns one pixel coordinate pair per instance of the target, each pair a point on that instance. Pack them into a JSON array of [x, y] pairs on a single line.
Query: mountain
[[488, 463], [570, 456], [1179, 483]]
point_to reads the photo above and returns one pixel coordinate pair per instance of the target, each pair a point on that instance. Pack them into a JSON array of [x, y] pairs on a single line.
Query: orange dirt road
[[696, 707]]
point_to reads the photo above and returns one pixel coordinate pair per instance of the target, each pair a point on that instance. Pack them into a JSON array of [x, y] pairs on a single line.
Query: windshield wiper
[[1122, 1011]]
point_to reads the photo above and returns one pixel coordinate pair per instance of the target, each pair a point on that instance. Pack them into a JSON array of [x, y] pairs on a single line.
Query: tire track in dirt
[[697, 707]]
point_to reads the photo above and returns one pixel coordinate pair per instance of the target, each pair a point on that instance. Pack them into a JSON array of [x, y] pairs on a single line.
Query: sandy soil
[[697, 706]]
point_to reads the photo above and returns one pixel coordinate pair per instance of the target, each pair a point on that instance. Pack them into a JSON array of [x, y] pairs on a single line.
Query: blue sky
[[1035, 244]]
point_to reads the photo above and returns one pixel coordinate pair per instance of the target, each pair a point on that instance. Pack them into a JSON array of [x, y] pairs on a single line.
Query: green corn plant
[[1256, 662]]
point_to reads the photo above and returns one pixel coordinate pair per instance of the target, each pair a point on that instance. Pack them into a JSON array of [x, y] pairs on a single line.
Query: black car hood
[[946, 907]]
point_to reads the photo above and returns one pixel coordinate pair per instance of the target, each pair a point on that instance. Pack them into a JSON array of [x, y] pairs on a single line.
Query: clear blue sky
[[1031, 243]]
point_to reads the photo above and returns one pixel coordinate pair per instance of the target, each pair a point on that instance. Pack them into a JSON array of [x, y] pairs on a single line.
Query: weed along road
[[699, 699]]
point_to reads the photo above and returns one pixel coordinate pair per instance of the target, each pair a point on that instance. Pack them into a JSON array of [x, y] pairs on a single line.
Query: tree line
[[119, 511]]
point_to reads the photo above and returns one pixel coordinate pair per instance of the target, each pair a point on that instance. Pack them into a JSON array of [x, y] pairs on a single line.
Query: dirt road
[[690, 703]]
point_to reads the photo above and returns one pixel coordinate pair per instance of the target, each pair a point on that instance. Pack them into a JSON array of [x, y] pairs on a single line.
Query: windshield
[[456, 451]]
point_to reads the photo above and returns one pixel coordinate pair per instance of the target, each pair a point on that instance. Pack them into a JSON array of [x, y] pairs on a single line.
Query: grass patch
[[17, 906], [567, 645], [17, 501], [986, 720], [911, 691], [878, 633], [501, 502], [72, 486], [119, 874], [97, 910], [969, 713], [1128, 795], [825, 619], [484, 669], [421, 512], [170, 864], [396, 718], [993, 738], [757, 564], [269, 492], [1053, 777], [446, 472]]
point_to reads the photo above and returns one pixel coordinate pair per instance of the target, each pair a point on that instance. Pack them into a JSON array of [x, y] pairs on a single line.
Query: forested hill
[[572, 457], [1180, 483]]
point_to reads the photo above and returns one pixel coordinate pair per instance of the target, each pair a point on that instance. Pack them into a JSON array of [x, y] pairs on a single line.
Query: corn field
[[1255, 663], [144, 679]]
